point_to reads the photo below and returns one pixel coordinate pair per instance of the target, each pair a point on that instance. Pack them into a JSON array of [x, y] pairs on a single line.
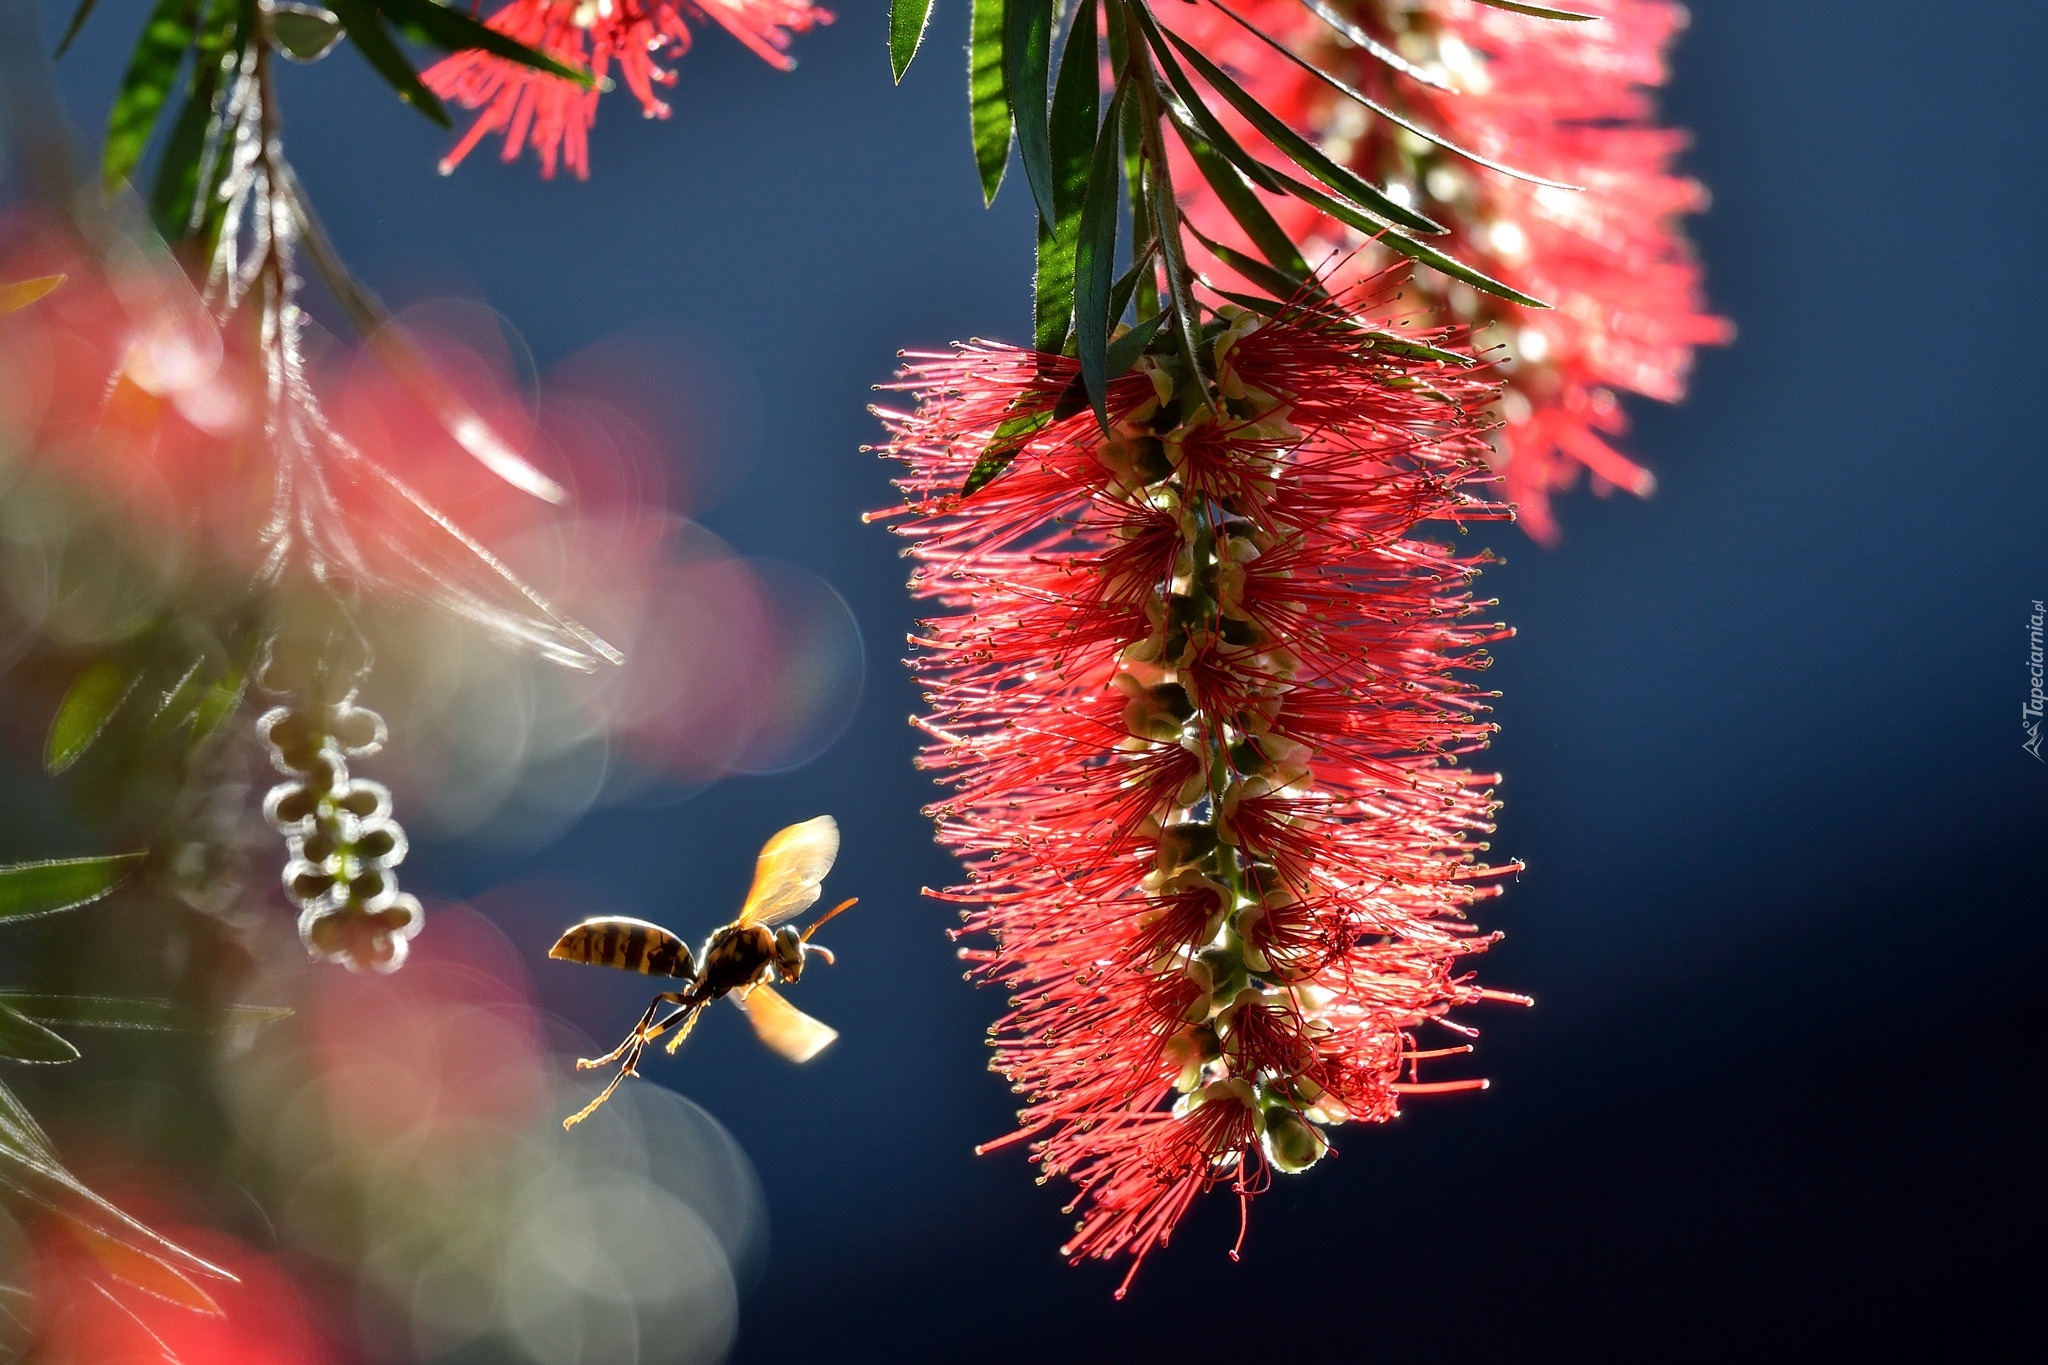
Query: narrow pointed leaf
[[21, 293], [1397, 119], [1297, 148], [145, 1270], [366, 31], [1278, 283], [1075, 100], [1329, 313], [1095, 262], [175, 199], [30, 1168], [1372, 46], [1125, 350], [1244, 206], [1541, 11], [1027, 67], [145, 85], [24, 1040], [1052, 294], [19, 1131], [221, 701], [1180, 297], [1127, 284], [988, 103], [159, 1016], [1145, 283], [31, 889], [454, 31], [175, 704], [71, 30], [907, 20], [1003, 447], [1188, 101], [1407, 246], [1121, 354], [86, 710], [1075, 110]]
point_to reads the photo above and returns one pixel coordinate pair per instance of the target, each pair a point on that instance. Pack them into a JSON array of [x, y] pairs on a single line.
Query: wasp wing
[[787, 874], [783, 1026], [631, 945]]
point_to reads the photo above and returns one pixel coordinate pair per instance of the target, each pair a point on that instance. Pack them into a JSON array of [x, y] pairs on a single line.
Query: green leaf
[[175, 199], [366, 31], [21, 293], [24, 1040], [1027, 64], [157, 1016], [1236, 196], [907, 19], [1117, 361], [1125, 350], [221, 701], [1095, 262], [144, 86], [1359, 38], [988, 101], [1293, 145], [1408, 246], [305, 33], [1009, 440], [71, 30], [175, 705], [1075, 100], [1199, 114], [1127, 284], [83, 715], [453, 31], [1278, 283], [1052, 291], [1370, 338], [31, 889], [1398, 120], [1541, 11], [1144, 236]]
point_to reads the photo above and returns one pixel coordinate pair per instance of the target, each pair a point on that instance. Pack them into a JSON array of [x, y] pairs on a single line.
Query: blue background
[[1780, 1092]]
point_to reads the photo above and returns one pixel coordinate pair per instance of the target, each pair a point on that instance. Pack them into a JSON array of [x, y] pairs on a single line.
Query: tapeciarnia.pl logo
[[2030, 714]]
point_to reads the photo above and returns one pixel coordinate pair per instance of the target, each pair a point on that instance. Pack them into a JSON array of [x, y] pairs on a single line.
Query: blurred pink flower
[[1199, 703], [556, 115]]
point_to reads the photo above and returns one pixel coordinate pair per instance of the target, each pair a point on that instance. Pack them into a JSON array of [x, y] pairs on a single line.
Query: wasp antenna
[[846, 904]]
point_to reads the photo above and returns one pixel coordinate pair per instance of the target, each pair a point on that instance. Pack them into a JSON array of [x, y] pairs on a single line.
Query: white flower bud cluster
[[344, 846]]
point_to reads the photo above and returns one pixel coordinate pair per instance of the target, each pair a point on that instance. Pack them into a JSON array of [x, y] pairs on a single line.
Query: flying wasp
[[742, 960]]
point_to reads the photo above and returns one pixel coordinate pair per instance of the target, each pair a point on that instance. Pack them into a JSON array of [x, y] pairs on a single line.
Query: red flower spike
[[1569, 102], [555, 115], [1197, 704]]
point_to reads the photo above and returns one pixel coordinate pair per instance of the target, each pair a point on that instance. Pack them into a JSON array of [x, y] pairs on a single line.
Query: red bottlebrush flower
[[556, 115], [1564, 101], [1199, 704]]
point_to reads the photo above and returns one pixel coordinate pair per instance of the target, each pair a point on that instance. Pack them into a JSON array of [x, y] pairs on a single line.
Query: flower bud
[[1292, 1143]]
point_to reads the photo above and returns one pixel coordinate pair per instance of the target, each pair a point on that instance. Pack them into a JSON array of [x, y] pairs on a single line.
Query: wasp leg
[[687, 1017], [638, 1035], [627, 1054], [587, 1110]]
